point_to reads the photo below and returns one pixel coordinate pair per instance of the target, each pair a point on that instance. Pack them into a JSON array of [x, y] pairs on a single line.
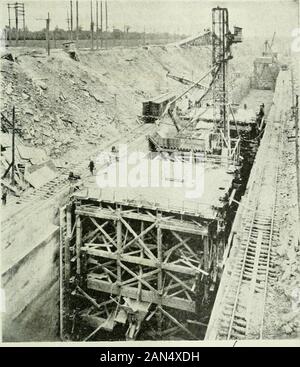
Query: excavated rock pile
[[283, 302], [63, 104]]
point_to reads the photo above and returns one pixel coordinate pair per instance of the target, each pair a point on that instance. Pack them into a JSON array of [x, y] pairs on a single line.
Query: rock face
[[61, 103]]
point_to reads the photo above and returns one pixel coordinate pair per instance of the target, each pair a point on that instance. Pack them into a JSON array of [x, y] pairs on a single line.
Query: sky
[[256, 17]]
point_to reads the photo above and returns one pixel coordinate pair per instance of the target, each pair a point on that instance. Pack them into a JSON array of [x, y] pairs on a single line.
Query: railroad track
[[33, 199], [244, 305], [243, 313]]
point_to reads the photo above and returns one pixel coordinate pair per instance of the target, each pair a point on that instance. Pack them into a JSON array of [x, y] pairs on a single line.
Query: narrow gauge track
[[244, 308]]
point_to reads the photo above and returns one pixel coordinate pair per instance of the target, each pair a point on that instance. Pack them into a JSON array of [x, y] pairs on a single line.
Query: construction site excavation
[[150, 171]]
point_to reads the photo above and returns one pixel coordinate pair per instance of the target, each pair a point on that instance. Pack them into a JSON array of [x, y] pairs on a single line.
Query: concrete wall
[[30, 273]]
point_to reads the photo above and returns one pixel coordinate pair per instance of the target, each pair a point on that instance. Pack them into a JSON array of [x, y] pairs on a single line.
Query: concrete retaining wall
[[30, 274]]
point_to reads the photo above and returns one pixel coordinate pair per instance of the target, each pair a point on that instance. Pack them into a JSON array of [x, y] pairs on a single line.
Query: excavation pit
[[136, 261]]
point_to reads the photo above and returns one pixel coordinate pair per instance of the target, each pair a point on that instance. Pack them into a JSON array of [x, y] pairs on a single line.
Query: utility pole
[[101, 24], [47, 34], [19, 17], [97, 25], [77, 23], [24, 31], [17, 25], [106, 23], [12, 126], [68, 21], [9, 24], [54, 38], [92, 26], [71, 14]]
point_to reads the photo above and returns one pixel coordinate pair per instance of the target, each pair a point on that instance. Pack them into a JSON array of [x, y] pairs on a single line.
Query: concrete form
[[138, 256]]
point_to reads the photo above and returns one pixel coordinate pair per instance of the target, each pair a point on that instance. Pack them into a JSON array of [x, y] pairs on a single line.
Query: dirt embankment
[[62, 104], [283, 302]]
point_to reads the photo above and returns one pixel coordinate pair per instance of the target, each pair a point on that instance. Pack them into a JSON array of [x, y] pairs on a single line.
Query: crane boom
[[186, 81]]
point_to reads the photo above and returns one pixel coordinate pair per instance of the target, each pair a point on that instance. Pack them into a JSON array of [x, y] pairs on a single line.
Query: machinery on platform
[[191, 133], [154, 108], [266, 68]]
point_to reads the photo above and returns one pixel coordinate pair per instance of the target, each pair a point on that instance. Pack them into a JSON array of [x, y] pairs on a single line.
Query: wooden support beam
[[90, 235], [146, 296], [187, 261], [206, 265], [179, 281], [105, 234], [159, 276], [109, 272], [169, 224], [140, 236], [88, 297], [62, 226], [67, 245], [174, 248], [119, 244], [146, 284], [78, 243], [141, 256], [176, 322], [140, 242], [184, 243], [141, 261]]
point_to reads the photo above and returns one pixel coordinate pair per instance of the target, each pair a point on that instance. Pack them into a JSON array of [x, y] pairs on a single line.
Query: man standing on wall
[[92, 167]]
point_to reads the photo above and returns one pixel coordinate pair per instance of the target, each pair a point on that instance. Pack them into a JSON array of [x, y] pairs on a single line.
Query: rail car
[[154, 108]]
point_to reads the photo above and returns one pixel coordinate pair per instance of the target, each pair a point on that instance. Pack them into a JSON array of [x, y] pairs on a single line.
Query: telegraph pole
[[12, 126], [77, 23], [18, 18], [54, 38], [97, 25], [68, 21], [24, 31], [106, 23], [92, 26], [71, 14], [101, 24], [9, 24], [47, 34], [17, 25]]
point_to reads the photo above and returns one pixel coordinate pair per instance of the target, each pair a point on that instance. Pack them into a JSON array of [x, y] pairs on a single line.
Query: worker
[[114, 154], [74, 185], [4, 197], [92, 167], [73, 177], [261, 110]]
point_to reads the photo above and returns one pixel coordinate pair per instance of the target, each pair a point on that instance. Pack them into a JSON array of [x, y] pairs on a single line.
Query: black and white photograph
[[150, 175]]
